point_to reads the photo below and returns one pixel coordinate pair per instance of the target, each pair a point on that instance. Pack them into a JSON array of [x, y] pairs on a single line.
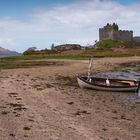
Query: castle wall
[[123, 36], [111, 32], [103, 35]]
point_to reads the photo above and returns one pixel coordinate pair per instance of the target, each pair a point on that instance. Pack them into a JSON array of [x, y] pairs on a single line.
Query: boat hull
[[86, 84]]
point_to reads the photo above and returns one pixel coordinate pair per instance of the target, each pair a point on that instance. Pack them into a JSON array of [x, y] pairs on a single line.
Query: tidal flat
[[45, 102]]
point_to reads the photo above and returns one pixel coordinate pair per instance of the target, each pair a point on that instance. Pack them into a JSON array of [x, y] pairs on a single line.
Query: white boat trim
[[86, 84]]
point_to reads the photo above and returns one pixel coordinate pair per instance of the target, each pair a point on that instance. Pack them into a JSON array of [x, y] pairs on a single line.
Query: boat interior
[[110, 82]]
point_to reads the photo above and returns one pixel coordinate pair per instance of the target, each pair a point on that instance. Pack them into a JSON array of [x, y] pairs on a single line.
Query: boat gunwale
[[108, 86]]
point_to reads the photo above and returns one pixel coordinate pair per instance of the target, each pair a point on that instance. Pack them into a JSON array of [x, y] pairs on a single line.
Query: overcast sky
[[39, 23]]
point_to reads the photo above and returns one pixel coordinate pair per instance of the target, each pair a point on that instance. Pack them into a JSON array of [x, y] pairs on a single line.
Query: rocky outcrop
[[66, 47]]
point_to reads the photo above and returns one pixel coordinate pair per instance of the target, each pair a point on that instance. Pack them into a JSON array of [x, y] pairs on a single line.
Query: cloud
[[7, 41], [77, 22]]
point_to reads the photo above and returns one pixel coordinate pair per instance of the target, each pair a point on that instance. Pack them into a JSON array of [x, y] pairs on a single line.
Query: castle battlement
[[113, 27], [125, 31], [111, 31]]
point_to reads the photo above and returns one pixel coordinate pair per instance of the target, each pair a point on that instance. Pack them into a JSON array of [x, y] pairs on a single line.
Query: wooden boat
[[107, 84]]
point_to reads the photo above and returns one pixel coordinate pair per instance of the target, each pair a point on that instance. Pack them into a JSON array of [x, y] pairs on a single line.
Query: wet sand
[[45, 103]]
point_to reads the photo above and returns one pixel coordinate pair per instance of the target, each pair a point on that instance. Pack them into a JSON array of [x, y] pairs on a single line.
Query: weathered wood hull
[[100, 84]]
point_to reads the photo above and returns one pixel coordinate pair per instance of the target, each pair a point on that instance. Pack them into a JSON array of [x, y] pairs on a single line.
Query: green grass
[[100, 52], [24, 64], [37, 57], [109, 43], [26, 61]]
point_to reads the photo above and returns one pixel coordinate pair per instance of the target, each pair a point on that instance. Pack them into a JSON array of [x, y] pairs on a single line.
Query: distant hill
[[136, 39], [5, 52]]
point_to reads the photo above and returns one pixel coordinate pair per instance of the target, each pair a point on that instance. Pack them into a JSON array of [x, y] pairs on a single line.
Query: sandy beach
[[45, 103]]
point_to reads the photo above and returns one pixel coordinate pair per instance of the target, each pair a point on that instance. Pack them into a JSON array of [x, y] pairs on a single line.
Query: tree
[[96, 41], [32, 49], [52, 46]]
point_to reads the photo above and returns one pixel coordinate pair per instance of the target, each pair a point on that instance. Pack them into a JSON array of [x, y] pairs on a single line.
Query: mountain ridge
[[6, 52]]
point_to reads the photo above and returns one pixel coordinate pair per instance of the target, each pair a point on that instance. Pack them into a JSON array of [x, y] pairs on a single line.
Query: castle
[[112, 32]]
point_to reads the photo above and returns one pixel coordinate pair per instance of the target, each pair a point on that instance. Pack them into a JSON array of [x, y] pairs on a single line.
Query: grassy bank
[[101, 52], [37, 57], [29, 60], [26, 64]]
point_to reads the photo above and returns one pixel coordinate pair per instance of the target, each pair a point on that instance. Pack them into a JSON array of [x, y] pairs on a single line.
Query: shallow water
[[134, 66], [120, 75], [124, 97]]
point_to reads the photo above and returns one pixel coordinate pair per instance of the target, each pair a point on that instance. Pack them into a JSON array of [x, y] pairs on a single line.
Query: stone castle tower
[[112, 32]]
